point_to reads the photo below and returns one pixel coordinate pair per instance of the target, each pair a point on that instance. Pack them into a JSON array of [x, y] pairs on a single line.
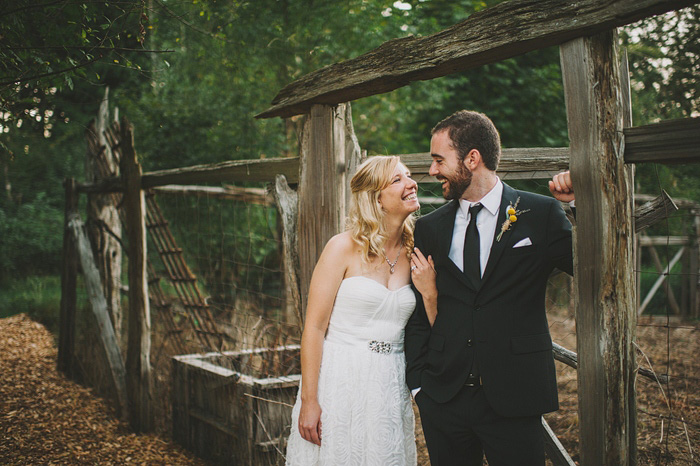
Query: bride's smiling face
[[401, 196]]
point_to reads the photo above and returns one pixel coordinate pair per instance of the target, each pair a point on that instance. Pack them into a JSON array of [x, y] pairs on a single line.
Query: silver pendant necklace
[[392, 265]]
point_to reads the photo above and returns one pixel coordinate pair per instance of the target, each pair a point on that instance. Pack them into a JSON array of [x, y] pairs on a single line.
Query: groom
[[483, 373]]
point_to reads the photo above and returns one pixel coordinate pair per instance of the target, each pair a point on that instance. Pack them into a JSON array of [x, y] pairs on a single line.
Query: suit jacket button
[[469, 342]]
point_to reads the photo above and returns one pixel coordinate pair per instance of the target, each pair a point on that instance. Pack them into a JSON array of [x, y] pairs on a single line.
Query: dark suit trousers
[[465, 428]]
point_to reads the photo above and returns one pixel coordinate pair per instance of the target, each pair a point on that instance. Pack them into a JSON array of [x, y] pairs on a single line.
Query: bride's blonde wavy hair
[[365, 217]]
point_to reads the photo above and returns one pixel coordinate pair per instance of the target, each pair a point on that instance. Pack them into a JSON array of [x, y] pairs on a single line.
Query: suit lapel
[[508, 198]]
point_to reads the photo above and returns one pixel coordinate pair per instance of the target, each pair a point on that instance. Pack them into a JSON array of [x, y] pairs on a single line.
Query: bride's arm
[[325, 281]]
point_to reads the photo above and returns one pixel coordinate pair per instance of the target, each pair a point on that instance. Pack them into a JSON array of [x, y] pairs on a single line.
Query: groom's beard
[[458, 183]]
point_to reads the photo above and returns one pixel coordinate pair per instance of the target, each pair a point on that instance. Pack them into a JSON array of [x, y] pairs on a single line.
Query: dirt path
[[46, 419]]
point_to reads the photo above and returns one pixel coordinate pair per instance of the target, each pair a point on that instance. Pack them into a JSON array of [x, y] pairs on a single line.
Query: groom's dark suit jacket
[[501, 326]]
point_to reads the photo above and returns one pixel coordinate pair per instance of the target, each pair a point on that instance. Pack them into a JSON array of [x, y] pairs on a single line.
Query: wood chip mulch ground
[[46, 419]]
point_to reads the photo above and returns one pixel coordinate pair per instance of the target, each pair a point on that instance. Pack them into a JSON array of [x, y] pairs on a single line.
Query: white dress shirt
[[486, 222]]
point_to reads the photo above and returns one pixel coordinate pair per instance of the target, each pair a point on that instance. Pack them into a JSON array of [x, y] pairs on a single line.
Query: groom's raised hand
[[561, 187]]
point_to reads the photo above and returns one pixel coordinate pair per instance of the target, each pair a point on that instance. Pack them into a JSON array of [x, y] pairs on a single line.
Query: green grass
[[37, 296]]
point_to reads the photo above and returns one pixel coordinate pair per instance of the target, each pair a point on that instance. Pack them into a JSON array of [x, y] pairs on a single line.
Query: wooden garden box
[[225, 411]]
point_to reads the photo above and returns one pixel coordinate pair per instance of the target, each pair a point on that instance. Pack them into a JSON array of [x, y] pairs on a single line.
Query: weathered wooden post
[[103, 222], [323, 182], [138, 366], [98, 304], [69, 277], [287, 201], [604, 259]]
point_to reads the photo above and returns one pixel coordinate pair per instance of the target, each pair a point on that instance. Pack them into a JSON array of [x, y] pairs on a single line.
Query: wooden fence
[[602, 144]]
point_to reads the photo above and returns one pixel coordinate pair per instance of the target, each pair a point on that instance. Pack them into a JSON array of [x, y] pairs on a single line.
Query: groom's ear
[[472, 159]]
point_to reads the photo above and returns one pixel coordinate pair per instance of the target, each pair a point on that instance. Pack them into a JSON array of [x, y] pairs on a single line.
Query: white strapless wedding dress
[[367, 416]]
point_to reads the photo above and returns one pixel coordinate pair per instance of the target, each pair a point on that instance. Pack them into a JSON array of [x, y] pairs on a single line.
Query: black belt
[[472, 381]]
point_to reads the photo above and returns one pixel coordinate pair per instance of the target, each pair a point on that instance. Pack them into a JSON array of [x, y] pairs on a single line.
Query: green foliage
[[28, 238], [49, 47], [218, 64], [664, 56], [37, 296]]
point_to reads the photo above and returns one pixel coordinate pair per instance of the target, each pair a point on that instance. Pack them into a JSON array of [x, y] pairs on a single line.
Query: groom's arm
[[417, 332]]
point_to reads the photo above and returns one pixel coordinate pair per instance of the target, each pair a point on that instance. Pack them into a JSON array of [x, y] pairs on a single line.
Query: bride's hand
[[424, 275], [310, 422]]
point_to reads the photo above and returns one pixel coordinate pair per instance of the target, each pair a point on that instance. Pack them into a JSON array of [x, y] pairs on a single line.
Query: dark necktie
[[472, 267]]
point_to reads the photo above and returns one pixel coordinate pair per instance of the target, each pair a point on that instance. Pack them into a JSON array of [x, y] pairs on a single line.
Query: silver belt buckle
[[381, 347]]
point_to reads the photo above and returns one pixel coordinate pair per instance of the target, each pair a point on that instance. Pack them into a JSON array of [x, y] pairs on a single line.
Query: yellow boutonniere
[[512, 213]]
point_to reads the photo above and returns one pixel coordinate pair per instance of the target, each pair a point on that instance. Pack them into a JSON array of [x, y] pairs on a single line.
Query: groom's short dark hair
[[473, 130]]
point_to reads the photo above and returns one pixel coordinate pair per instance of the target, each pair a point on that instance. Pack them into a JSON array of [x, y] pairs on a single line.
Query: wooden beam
[[262, 170], [258, 196], [679, 202], [605, 308], [664, 240], [570, 358], [694, 270], [653, 211], [553, 447], [659, 281], [98, 304], [258, 170], [673, 141], [69, 279], [287, 202], [672, 302], [104, 227], [321, 188], [139, 349], [516, 163], [495, 34]]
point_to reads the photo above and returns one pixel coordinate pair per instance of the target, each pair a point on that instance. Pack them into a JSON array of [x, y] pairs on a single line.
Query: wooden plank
[[287, 202], [672, 303], [604, 284], [321, 188], [69, 279], [530, 163], [679, 202], [258, 196], [694, 270], [659, 281], [570, 358], [516, 163], [262, 170], [232, 171], [653, 211], [553, 447], [103, 222], [139, 348], [670, 142], [495, 34], [354, 156], [664, 240], [98, 304]]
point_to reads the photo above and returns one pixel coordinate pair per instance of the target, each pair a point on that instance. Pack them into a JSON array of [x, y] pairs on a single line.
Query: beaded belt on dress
[[375, 346], [381, 347]]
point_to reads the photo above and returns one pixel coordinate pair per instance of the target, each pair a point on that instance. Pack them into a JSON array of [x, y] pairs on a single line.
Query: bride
[[353, 405]]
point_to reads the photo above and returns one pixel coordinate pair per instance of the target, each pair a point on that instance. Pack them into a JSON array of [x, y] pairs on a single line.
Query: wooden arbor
[[602, 143]]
